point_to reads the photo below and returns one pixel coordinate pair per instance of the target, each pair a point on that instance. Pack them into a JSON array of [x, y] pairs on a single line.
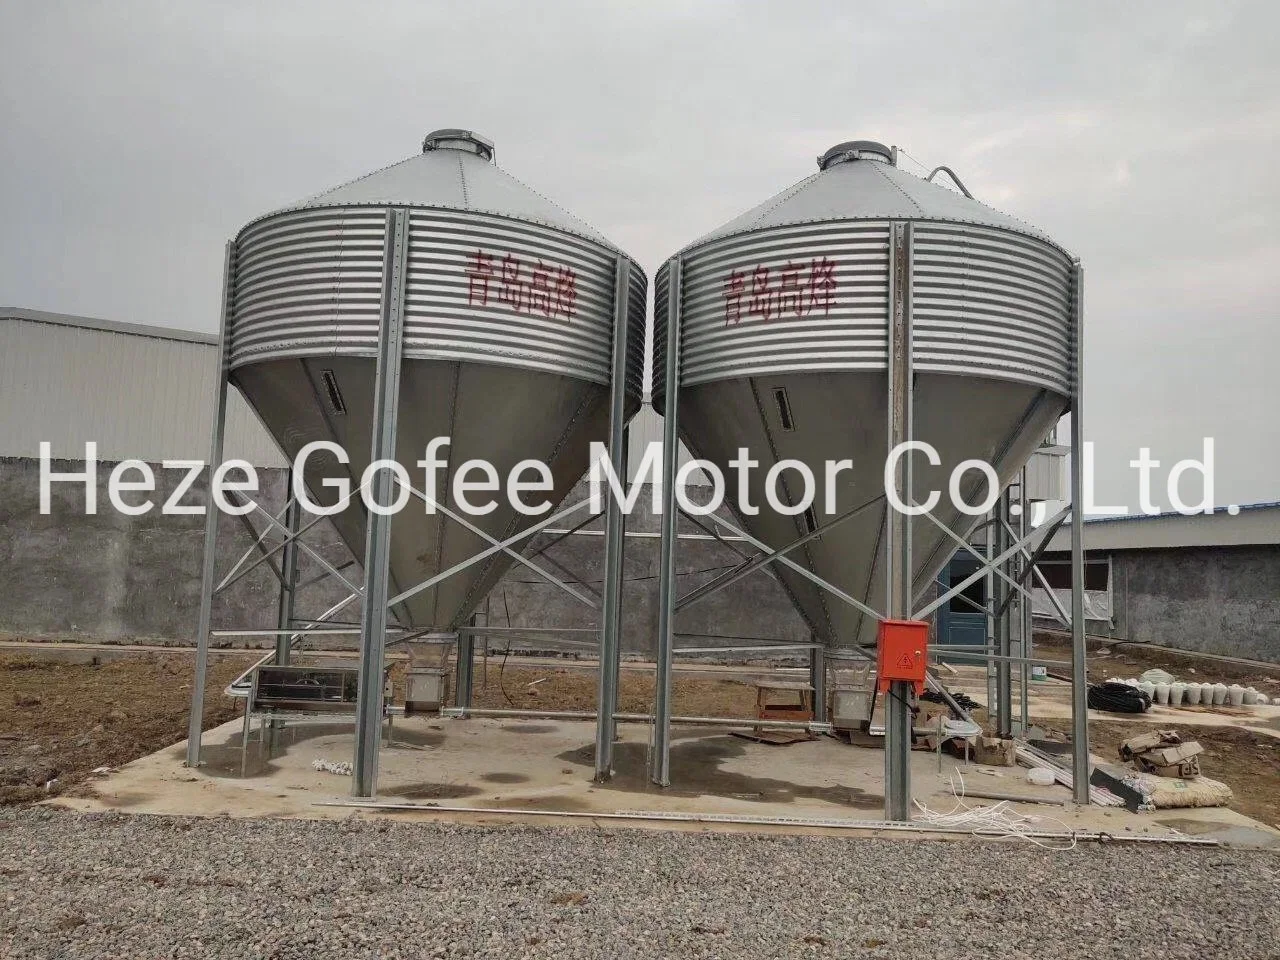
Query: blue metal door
[[961, 621]]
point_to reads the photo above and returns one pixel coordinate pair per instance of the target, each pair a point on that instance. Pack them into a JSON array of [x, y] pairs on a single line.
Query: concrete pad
[[529, 768]]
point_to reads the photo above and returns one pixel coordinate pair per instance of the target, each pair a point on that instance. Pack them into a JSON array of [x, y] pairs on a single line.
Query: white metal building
[[139, 392]]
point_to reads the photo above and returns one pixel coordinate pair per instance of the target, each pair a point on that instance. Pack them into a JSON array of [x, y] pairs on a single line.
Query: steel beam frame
[[285, 602], [288, 577], [614, 534], [1023, 608], [1003, 598], [377, 549], [897, 542], [465, 669], [660, 758], [1080, 768], [195, 723]]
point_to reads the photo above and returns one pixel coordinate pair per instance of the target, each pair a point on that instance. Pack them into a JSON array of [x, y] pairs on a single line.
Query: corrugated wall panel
[[801, 297], [991, 303], [137, 397], [986, 302], [489, 290], [480, 288], [308, 282]]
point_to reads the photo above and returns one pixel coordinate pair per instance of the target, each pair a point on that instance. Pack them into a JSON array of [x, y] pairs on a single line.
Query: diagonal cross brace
[[514, 554], [1035, 534], [311, 551], [497, 547], [751, 564], [775, 555], [258, 540], [964, 544]]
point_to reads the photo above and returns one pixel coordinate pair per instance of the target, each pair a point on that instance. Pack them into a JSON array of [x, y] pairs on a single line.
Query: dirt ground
[[59, 721], [545, 689], [1131, 659], [1246, 761]]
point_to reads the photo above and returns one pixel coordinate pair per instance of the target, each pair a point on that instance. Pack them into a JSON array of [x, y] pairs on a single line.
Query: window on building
[[1058, 574], [974, 593]]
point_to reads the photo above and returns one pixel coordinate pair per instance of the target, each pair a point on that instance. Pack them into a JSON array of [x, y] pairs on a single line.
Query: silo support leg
[[611, 609], [288, 574], [818, 680], [1023, 610], [377, 553], [195, 723], [625, 463], [897, 554], [285, 601], [464, 681], [660, 761], [1004, 675], [1079, 668]]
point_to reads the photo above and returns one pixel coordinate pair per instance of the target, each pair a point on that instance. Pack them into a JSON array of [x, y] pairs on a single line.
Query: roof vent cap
[[858, 150], [452, 138]]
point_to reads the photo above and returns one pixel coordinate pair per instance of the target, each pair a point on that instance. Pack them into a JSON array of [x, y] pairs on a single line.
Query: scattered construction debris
[[1032, 756], [341, 768], [1161, 687], [1163, 753], [1172, 793], [1168, 774], [994, 751]]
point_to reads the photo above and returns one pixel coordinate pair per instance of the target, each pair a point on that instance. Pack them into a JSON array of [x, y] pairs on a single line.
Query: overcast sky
[[139, 137]]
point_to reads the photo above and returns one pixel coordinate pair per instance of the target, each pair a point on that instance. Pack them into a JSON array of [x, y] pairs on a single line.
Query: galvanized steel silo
[[507, 344], [784, 315]]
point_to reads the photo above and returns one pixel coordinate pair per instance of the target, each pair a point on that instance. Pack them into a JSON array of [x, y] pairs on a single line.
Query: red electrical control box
[[903, 649]]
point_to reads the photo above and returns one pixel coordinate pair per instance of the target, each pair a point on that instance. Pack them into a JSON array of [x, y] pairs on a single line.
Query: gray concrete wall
[[1223, 600], [113, 577], [754, 607], [108, 576]]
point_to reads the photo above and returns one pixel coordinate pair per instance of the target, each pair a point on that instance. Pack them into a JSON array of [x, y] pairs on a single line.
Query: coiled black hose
[[1118, 698]]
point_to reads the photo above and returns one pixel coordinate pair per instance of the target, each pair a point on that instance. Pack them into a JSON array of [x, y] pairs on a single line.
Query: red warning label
[[906, 661]]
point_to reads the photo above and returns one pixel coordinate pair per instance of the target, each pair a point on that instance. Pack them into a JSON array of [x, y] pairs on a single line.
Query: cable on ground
[[999, 820]]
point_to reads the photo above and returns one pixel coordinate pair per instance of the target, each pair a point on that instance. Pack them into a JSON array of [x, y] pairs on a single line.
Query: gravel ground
[[126, 886]]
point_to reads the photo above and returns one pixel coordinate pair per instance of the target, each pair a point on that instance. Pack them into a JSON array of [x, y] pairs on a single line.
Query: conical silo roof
[[456, 170], [858, 181]]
